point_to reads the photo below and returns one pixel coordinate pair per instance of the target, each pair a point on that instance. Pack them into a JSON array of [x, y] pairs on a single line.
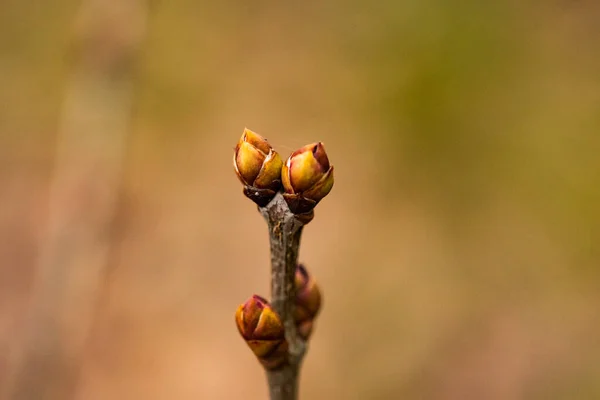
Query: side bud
[[308, 301], [263, 331], [307, 177], [258, 167]]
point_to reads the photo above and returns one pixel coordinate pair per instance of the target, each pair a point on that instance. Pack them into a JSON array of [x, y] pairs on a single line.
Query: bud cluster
[[262, 328], [306, 176], [302, 181]]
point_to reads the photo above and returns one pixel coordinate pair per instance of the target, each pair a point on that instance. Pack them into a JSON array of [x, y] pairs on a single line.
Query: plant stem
[[285, 231], [283, 382]]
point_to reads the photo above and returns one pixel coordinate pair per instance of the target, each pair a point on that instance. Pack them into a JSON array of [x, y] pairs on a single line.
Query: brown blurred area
[[458, 251]]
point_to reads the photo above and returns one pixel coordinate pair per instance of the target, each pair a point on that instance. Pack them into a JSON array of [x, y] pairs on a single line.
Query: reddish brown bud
[[308, 301], [258, 167], [307, 177], [263, 331], [305, 328]]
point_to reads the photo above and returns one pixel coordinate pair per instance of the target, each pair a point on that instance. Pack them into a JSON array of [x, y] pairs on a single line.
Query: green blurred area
[[458, 251]]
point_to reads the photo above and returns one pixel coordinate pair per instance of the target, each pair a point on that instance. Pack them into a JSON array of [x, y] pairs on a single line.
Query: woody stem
[[285, 231]]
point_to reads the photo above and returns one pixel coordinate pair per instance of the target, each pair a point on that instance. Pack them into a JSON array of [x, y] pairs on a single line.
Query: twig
[[285, 230]]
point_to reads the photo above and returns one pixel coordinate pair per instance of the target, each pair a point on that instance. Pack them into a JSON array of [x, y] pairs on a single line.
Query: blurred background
[[458, 251]]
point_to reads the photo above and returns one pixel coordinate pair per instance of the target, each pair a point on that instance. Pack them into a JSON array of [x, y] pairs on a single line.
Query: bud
[[307, 177], [263, 331], [258, 167], [305, 328], [308, 301]]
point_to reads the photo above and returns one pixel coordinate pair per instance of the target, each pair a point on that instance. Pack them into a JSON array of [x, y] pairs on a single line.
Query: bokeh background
[[458, 251]]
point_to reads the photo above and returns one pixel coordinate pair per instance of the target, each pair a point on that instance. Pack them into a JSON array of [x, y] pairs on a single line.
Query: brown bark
[[285, 231]]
